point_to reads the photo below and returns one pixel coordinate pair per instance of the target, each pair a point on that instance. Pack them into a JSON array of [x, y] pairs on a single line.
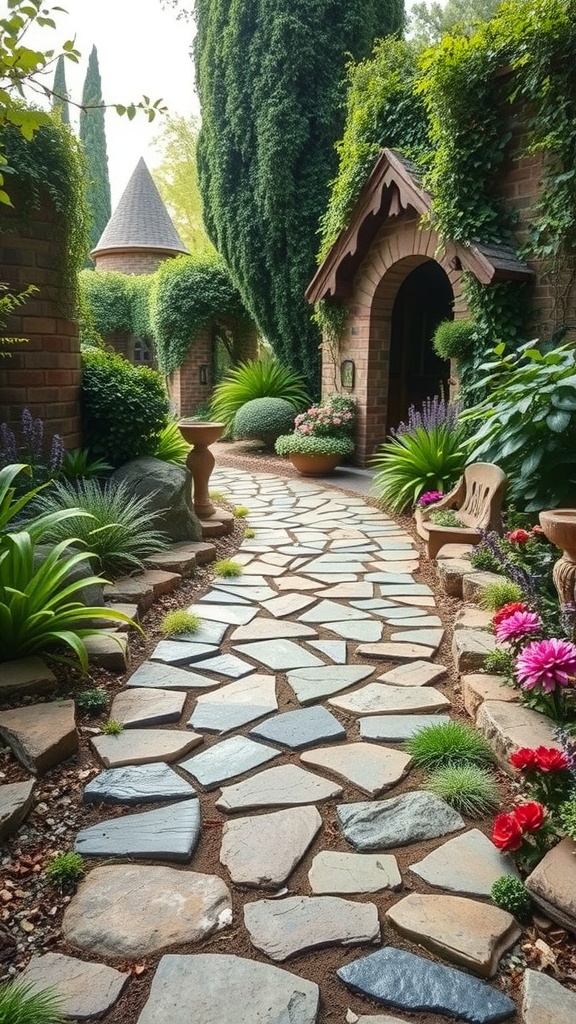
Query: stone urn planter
[[559, 526], [314, 465], [200, 460]]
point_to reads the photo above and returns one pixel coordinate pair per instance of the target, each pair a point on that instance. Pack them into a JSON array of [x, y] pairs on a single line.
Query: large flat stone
[[262, 851], [167, 833], [87, 991], [16, 801], [297, 583], [226, 665], [337, 873], [472, 617], [400, 979], [224, 760], [312, 684], [368, 767], [471, 934], [25, 676], [349, 590], [382, 824], [41, 735], [279, 655], [158, 676], [509, 726], [481, 686], [396, 651], [135, 910], [282, 928], [470, 647], [414, 673], [330, 611], [208, 632], [176, 652], [108, 649], [380, 699], [287, 604], [137, 784], [552, 884], [335, 650], [285, 785], [397, 728], [221, 597], [147, 707], [366, 630], [228, 990], [233, 614], [546, 1001], [429, 637], [301, 728], [236, 704], [475, 581], [271, 629], [144, 746], [468, 864]]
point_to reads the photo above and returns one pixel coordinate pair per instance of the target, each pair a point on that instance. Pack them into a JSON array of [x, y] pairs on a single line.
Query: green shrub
[[484, 560], [119, 530], [495, 595], [264, 419], [91, 702], [227, 567], [511, 894], [109, 299], [306, 444], [112, 727], [416, 461], [65, 869], [171, 446], [445, 517], [180, 621], [262, 378], [466, 787], [499, 662], [124, 407], [454, 339], [241, 512], [567, 815], [451, 743], [20, 1004]]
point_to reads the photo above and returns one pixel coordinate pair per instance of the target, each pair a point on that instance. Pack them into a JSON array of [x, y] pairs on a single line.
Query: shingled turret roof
[[140, 221]]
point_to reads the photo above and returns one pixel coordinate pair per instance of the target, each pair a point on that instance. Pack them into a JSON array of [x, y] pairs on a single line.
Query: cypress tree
[[60, 96], [270, 77], [93, 139]]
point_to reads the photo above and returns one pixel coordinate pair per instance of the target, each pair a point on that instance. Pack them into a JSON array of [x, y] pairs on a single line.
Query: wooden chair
[[477, 498]]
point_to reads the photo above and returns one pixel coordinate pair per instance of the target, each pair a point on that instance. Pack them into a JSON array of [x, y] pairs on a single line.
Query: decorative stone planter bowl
[[200, 460], [559, 525]]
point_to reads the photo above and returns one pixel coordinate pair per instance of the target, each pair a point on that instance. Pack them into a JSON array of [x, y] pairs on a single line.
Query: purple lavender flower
[[8, 447], [435, 412], [57, 453]]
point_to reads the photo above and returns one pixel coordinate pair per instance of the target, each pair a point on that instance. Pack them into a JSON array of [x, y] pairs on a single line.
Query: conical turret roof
[[140, 221]]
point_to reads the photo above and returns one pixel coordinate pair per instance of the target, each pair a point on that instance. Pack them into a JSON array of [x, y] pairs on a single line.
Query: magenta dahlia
[[517, 625], [549, 664], [429, 498]]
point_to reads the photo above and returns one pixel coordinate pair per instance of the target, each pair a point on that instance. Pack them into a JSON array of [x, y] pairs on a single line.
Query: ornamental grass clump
[[258, 378], [180, 621], [227, 567], [22, 1004], [469, 789], [112, 727], [495, 595], [451, 743]]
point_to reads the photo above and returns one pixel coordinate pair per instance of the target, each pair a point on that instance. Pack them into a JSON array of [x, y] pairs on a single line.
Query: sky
[[142, 50]]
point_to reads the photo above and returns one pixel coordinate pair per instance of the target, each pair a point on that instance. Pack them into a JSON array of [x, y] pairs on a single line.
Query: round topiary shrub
[[264, 419], [454, 339]]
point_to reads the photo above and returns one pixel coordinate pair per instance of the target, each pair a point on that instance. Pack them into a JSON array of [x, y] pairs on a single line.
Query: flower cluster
[[31, 448], [511, 827], [517, 626], [429, 498], [333, 418], [547, 665]]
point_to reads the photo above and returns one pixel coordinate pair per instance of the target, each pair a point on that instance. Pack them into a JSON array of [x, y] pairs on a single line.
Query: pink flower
[[429, 497], [546, 663], [517, 625]]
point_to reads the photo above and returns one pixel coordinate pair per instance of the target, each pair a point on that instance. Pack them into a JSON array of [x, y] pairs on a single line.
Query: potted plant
[[322, 437]]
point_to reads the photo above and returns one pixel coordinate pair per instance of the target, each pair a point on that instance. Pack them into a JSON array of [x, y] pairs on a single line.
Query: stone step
[[474, 582], [508, 727], [470, 647], [108, 649], [25, 676], [218, 525], [41, 735]]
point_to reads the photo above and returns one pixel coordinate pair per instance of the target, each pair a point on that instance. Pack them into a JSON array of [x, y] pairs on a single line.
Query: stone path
[[281, 723]]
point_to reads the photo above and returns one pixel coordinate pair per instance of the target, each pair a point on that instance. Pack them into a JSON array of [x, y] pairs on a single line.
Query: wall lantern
[[203, 374], [347, 374]]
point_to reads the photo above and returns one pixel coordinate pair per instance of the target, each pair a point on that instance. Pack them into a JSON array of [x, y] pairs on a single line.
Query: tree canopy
[[430, 21], [60, 91], [93, 139], [177, 179], [270, 80]]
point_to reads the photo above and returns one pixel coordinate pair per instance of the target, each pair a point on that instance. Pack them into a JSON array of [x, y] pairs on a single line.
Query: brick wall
[[184, 387], [43, 374], [132, 261]]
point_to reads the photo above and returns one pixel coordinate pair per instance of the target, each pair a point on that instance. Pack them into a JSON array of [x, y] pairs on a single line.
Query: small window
[[142, 353]]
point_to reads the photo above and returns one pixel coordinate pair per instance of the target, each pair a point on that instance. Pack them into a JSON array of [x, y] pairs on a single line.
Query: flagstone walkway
[[308, 672]]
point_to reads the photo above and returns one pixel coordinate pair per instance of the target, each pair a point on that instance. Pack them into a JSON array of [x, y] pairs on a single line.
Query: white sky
[[142, 50]]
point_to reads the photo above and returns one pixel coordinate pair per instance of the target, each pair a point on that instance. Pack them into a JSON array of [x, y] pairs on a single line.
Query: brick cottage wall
[[44, 374], [184, 387], [132, 261]]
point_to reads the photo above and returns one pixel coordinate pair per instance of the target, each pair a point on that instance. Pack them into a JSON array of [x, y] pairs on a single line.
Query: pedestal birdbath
[[559, 526], [200, 461]]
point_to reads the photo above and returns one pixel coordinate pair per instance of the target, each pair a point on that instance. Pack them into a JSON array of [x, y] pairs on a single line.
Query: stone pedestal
[[200, 461]]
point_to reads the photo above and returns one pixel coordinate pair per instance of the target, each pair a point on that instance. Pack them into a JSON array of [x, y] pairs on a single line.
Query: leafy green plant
[[495, 595], [262, 378], [78, 462], [119, 530], [218, 496], [241, 511], [112, 727], [499, 662], [466, 787], [180, 621], [227, 567], [511, 894], [264, 419], [451, 743], [171, 446], [91, 702], [65, 869], [308, 444], [484, 560], [445, 517], [22, 1004], [567, 816], [421, 460], [249, 533], [124, 407], [454, 339]]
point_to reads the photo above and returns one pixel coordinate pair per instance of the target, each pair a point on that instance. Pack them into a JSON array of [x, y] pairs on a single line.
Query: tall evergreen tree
[[60, 91], [270, 78], [93, 139]]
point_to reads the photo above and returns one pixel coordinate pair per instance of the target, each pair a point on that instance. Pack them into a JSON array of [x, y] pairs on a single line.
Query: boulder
[[169, 491]]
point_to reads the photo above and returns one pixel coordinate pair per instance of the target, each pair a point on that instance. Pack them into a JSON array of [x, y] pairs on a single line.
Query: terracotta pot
[[314, 465]]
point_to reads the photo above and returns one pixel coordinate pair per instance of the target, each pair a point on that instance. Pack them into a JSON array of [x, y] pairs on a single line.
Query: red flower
[[529, 817], [507, 833], [548, 759], [526, 757], [518, 536], [507, 610]]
